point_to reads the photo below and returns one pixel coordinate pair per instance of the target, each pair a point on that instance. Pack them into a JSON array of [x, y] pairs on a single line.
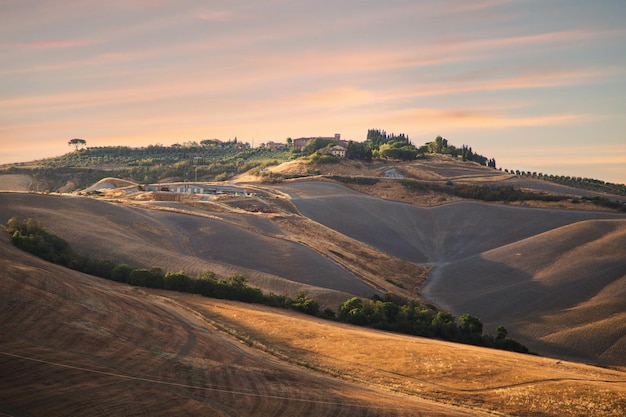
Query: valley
[[551, 273]]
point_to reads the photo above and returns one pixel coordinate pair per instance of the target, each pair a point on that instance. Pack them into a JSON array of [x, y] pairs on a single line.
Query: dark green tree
[[178, 281], [501, 333], [351, 311], [444, 326], [305, 304], [121, 273], [76, 142], [470, 329]]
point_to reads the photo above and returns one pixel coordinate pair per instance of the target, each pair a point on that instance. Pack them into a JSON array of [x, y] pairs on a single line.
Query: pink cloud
[[50, 43], [454, 119], [215, 15], [465, 6]]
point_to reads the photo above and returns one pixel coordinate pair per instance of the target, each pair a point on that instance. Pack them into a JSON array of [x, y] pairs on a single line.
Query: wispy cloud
[[533, 79], [215, 15], [49, 44], [138, 71], [455, 119], [545, 39]]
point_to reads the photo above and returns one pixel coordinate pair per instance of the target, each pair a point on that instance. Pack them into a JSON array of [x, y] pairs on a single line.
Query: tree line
[[412, 317], [386, 313], [510, 194], [30, 236], [503, 193], [576, 182], [380, 144]]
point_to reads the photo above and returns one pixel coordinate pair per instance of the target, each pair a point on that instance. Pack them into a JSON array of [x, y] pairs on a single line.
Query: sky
[[539, 85]]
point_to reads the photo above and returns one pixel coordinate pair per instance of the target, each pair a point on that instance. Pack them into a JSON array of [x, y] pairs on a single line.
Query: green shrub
[[31, 237], [388, 313], [354, 180]]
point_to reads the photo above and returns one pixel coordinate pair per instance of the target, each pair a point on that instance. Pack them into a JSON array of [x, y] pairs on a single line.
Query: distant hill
[[214, 160], [80, 169]]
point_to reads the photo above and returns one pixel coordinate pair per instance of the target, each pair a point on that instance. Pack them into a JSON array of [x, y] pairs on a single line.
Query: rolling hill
[[74, 344], [344, 242], [506, 265], [554, 274], [174, 241]]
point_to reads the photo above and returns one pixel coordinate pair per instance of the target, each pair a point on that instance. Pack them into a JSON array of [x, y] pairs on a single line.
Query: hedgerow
[[387, 313]]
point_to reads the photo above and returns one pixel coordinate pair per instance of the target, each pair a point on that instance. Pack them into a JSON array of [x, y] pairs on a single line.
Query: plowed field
[[71, 344]]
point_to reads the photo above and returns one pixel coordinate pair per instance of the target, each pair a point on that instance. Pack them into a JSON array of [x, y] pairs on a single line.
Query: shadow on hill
[[174, 241], [561, 293], [542, 273], [434, 234]]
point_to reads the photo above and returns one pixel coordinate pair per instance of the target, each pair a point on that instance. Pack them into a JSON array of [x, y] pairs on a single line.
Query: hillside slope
[[174, 241], [426, 234], [572, 265], [71, 344], [563, 290], [465, 242]]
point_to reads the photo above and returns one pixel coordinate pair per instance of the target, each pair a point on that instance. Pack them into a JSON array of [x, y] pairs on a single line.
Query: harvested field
[[15, 182], [71, 344], [571, 260], [175, 241], [503, 383]]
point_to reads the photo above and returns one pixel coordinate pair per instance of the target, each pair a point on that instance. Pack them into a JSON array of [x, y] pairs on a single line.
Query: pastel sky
[[539, 85]]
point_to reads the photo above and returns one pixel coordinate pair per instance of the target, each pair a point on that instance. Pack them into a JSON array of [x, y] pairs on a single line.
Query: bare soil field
[[549, 276], [174, 241], [72, 344], [563, 290], [15, 182]]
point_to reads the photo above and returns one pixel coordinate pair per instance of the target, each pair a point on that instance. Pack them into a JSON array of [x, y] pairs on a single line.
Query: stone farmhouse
[[273, 146], [337, 150]]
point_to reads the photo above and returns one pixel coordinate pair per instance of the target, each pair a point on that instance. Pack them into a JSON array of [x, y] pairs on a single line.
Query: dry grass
[[469, 376], [71, 344]]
